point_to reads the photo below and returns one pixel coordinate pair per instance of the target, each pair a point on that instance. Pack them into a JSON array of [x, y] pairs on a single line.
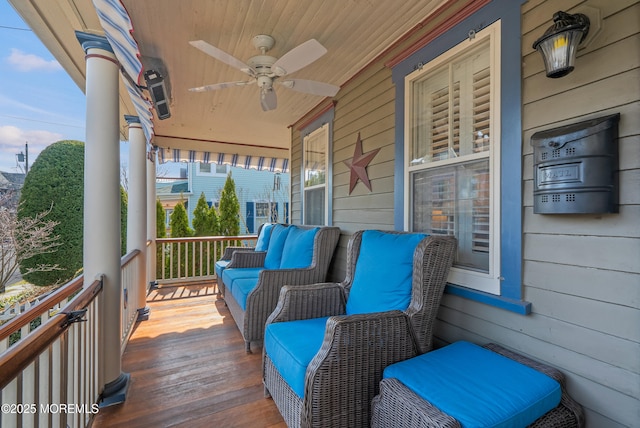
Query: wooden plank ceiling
[[353, 31]]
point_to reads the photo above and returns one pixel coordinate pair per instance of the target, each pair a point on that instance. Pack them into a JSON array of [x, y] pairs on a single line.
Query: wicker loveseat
[[467, 385], [326, 345], [251, 282]]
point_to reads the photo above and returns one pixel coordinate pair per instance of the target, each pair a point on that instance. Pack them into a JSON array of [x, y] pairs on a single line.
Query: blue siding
[[251, 186]]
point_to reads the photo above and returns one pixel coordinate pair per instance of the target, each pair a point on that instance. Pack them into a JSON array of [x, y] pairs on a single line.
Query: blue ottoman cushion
[[478, 387], [292, 345]]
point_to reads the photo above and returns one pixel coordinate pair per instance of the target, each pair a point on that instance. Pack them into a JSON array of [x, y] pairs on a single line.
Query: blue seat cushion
[[292, 345], [298, 248], [383, 273], [478, 387], [230, 275], [276, 245], [220, 266], [241, 288], [263, 239]]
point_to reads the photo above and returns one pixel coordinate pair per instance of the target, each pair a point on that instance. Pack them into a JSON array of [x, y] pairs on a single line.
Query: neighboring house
[[263, 196], [10, 185], [562, 288]]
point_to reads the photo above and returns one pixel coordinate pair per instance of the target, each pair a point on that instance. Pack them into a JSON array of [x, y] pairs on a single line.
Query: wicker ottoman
[[398, 406]]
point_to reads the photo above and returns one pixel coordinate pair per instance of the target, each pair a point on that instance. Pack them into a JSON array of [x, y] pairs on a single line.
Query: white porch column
[[151, 216], [137, 209], [102, 205]]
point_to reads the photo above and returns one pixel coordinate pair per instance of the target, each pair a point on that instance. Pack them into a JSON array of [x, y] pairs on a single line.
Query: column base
[[115, 392], [143, 313]]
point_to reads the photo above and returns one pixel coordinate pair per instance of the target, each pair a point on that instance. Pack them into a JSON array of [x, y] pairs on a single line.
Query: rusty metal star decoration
[[358, 165]]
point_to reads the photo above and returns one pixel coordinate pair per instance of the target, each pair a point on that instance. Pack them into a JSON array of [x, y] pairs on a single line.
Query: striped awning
[[260, 163], [118, 30]]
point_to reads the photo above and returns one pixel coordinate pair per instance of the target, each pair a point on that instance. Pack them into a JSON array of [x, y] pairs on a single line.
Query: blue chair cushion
[[220, 266], [276, 245], [478, 387], [264, 237], [298, 248], [241, 289], [292, 345], [383, 273], [230, 275]]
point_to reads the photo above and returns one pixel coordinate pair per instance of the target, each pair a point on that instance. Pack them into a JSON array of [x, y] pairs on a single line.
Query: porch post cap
[[131, 119], [89, 41]]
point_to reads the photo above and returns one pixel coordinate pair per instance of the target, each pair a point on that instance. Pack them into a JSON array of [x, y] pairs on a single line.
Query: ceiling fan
[[267, 71]]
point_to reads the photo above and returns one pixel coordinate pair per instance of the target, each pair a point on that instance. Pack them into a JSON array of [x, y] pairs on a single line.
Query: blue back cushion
[[276, 244], [478, 387], [263, 238], [383, 274], [298, 248]]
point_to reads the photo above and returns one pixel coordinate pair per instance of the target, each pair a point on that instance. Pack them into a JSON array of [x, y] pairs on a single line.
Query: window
[[452, 149], [314, 180], [212, 169]]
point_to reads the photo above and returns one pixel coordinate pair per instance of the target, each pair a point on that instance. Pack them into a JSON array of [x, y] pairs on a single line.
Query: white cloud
[[30, 62], [13, 139]]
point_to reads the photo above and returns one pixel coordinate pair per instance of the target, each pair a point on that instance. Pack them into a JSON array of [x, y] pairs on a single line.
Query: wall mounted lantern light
[[559, 44]]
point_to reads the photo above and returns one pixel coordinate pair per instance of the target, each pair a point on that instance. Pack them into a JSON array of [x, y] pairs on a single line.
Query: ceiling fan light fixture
[[265, 82]]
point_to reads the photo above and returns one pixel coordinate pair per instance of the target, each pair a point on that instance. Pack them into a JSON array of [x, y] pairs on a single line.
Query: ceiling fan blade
[[298, 57], [221, 55], [268, 99], [224, 85], [311, 87]]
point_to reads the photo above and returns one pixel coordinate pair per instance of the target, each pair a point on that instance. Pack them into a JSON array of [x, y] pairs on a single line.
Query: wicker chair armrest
[[263, 299], [309, 301], [228, 251], [355, 351], [248, 259]]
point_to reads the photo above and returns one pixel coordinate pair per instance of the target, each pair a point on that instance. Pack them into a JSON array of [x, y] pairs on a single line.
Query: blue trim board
[[514, 305], [511, 131]]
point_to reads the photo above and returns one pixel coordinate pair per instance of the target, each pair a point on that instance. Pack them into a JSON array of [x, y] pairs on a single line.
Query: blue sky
[[39, 103]]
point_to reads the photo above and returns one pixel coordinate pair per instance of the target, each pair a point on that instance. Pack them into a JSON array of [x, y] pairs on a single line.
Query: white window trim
[[322, 129], [211, 174], [486, 282]]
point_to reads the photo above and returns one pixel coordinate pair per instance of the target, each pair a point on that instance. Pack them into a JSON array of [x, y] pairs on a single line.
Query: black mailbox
[[575, 168]]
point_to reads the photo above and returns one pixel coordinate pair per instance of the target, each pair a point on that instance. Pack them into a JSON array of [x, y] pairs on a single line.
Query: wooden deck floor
[[189, 369]]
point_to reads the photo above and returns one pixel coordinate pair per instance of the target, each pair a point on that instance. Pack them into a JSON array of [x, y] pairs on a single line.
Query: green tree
[[161, 229], [56, 182], [124, 206], [204, 218], [229, 209], [179, 222]]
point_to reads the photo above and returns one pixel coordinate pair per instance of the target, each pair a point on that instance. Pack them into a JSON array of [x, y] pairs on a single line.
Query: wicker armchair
[[262, 299], [399, 407], [344, 375]]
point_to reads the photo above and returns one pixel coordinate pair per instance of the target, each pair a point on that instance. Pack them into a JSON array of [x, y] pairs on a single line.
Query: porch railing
[[131, 271], [55, 365], [50, 355], [193, 259]]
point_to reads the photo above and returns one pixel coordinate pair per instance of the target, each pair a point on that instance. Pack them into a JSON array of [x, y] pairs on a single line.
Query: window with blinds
[[453, 181]]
